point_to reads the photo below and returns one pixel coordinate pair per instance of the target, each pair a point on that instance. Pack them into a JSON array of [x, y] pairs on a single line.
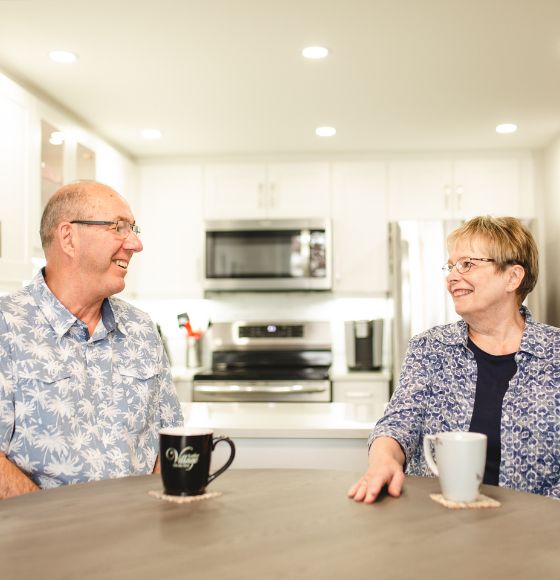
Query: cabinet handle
[[459, 195], [260, 196], [447, 197], [272, 194]]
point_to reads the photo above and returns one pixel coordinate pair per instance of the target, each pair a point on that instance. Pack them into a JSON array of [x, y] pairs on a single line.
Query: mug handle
[[215, 442], [428, 453]]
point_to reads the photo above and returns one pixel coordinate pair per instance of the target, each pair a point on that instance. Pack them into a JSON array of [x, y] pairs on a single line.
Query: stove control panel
[[271, 335], [271, 331]]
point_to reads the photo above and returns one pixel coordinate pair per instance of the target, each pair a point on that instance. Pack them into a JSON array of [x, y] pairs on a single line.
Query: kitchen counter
[[279, 420], [286, 435]]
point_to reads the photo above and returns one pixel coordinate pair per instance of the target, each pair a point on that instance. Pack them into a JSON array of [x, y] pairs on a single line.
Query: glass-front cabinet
[[52, 161]]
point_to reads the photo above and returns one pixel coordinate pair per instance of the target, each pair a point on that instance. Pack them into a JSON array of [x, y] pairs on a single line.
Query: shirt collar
[[60, 318], [57, 315], [532, 341], [118, 317]]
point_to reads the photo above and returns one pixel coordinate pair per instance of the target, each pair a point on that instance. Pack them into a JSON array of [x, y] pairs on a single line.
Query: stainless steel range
[[267, 361]]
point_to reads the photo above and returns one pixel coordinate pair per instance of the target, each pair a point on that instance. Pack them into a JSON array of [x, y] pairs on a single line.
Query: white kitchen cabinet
[[170, 217], [368, 396], [420, 189], [298, 190], [15, 185], [460, 188], [360, 227], [262, 191], [487, 186]]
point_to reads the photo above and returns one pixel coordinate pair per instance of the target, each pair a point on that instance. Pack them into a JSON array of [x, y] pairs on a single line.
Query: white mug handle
[[428, 453]]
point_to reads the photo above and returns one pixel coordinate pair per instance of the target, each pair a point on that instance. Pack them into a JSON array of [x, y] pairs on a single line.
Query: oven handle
[[242, 389]]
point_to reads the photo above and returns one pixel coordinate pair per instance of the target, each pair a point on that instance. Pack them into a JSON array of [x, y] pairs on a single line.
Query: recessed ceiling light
[[63, 56], [151, 134], [506, 128], [315, 52], [325, 131]]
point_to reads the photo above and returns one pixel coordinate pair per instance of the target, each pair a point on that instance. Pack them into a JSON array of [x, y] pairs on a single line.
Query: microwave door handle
[[305, 252], [259, 390]]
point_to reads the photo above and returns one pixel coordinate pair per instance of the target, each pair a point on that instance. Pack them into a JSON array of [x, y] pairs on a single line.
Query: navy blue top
[[494, 374]]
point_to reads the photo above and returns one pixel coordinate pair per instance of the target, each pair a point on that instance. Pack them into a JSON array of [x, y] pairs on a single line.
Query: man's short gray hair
[[70, 202]]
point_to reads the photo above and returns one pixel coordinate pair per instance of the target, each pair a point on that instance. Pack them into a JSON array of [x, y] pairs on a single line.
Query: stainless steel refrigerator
[[417, 252]]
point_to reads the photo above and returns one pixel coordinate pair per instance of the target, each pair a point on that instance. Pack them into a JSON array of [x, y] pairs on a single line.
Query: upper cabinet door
[[420, 189], [298, 190], [461, 188], [278, 190], [487, 187], [15, 196], [235, 191], [360, 228]]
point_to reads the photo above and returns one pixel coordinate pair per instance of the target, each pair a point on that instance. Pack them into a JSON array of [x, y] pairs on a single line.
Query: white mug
[[459, 463]]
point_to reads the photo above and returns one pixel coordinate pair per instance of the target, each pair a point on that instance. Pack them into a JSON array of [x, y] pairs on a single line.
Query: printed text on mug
[[184, 460]]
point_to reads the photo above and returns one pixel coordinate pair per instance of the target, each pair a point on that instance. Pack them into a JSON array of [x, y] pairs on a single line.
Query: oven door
[[262, 391]]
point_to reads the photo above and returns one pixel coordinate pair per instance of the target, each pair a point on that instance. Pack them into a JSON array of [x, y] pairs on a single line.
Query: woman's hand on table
[[386, 460]]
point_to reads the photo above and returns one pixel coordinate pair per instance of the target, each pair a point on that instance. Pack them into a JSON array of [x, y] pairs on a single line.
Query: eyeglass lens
[[124, 228], [462, 267]]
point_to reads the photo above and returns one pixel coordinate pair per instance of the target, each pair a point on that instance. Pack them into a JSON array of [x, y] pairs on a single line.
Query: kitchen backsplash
[[267, 306]]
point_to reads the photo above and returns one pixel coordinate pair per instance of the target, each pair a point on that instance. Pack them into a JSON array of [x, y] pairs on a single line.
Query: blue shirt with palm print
[[75, 407]]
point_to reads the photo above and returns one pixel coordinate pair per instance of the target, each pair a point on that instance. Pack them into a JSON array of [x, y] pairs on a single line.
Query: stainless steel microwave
[[268, 255]]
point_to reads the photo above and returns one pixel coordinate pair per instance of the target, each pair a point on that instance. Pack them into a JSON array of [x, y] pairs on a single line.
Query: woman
[[496, 371]]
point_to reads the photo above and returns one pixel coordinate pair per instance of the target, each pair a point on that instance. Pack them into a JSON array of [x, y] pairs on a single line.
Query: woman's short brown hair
[[510, 242]]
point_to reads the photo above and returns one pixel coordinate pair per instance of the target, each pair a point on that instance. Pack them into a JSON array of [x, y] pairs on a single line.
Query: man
[[84, 383]]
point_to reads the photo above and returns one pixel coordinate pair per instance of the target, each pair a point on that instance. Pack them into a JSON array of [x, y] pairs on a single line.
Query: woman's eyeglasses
[[463, 265]]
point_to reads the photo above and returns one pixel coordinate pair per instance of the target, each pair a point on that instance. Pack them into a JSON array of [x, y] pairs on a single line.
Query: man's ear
[[66, 239], [515, 277]]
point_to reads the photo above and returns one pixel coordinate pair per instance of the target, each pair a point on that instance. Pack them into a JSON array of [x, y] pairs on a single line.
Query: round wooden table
[[272, 524]]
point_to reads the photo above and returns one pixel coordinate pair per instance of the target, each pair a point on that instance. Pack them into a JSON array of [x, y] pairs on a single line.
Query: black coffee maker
[[364, 344]]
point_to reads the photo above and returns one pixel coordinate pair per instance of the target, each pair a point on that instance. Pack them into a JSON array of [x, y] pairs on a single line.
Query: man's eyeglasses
[[464, 265], [121, 227]]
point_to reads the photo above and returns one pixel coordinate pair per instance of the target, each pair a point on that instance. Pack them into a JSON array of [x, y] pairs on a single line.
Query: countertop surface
[[281, 420], [274, 524]]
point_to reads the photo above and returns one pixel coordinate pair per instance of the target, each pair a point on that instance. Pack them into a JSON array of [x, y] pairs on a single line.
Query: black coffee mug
[[185, 456]]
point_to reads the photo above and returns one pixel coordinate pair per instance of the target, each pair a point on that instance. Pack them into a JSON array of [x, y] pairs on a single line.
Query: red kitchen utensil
[[185, 322]]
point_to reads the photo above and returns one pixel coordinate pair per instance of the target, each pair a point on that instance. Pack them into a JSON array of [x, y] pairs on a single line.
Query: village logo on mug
[[186, 459]]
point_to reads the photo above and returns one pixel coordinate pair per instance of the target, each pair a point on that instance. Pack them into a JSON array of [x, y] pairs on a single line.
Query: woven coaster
[[183, 498], [481, 502]]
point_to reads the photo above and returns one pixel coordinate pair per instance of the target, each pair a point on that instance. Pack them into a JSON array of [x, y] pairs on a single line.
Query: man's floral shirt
[[76, 408]]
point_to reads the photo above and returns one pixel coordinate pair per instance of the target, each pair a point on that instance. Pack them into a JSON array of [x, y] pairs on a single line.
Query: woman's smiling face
[[483, 288]]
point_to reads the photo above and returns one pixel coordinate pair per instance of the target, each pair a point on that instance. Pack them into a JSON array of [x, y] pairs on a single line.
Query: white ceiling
[[227, 76]]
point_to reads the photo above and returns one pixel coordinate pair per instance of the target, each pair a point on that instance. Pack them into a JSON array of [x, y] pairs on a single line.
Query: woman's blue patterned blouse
[[437, 391]]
